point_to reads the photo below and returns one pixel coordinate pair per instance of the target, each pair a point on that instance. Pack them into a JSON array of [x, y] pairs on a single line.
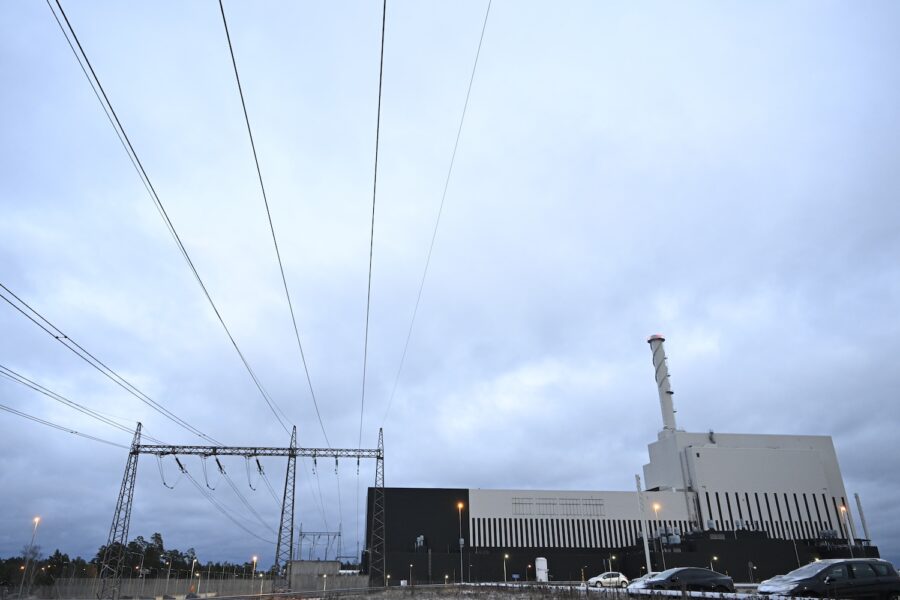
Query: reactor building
[[750, 505]]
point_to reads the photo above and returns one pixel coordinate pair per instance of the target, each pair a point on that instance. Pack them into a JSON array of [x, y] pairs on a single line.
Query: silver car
[[608, 579]]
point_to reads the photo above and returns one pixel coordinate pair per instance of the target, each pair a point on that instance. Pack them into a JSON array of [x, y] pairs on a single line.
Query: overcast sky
[[726, 174]]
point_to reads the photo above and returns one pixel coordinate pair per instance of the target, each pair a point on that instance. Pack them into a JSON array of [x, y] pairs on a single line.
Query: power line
[[60, 427], [245, 502], [222, 508], [38, 319], [22, 380], [362, 403], [438, 220], [262, 188], [287, 293], [123, 137]]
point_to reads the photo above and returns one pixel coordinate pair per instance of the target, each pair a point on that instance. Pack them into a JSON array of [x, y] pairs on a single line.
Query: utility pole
[[644, 528]]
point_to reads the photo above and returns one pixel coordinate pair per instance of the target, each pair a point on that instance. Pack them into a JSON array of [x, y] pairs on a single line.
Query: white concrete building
[[789, 486]]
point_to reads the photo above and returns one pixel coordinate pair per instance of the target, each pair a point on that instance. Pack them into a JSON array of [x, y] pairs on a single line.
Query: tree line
[[143, 558]]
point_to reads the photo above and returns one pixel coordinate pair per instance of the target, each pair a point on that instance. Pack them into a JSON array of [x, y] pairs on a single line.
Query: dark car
[[692, 579], [838, 578]]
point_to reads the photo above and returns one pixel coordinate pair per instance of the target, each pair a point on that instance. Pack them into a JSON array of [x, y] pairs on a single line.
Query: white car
[[608, 579], [640, 583]]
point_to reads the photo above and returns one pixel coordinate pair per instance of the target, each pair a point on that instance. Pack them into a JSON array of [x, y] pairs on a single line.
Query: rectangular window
[[545, 506], [592, 507], [523, 506], [569, 507]]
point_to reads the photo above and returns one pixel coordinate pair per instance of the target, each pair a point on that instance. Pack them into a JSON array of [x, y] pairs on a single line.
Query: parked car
[[691, 578], [608, 579], [838, 578], [640, 583]]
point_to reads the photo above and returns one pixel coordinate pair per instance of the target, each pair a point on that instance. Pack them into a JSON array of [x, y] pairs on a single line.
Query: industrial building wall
[[569, 519], [788, 486]]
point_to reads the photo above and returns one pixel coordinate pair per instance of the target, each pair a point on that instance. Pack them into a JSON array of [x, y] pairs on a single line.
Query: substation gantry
[[114, 554]]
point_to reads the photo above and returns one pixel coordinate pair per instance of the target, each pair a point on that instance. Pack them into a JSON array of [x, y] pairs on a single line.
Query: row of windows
[[781, 515], [569, 507], [561, 533]]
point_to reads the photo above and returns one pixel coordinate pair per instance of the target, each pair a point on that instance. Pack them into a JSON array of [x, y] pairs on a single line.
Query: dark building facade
[[423, 527]]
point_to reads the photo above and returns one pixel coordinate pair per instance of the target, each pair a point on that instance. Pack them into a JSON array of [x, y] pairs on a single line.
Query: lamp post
[[191, 576], [528, 568], [388, 579], [611, 559], [459, 507], [261, 580], [505, 558], [199, 580], [714, 559], [410, 574], [168, 572], [36, 520], [324, 581], [446, 577], [662, 554], [253, 573], [847, 527]]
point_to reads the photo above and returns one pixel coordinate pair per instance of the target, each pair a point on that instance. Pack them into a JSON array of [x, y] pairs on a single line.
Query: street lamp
[[168, 572], [36, 520], [324, 582], [847, 527], [662, 554], [714, 559], [410, 574], [505, 558], [611, 559], [459, 507], [389, 579], [191, 576], [255, 558], [446, 577], [528, 568]]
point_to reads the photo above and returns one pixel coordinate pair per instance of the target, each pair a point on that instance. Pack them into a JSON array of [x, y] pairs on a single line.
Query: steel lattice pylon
[[377, 569], [114, 554], [284, 550]]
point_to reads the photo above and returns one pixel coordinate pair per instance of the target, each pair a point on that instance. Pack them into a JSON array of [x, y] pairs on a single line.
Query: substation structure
[[114, 554]]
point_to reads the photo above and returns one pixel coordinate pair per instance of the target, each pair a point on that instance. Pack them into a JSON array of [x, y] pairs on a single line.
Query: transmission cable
[[438, 220], [287, 293], [60, 427], [362, 403], [22, 380], [265, 479], [38, 319], [243, 500], [221, 508], [80, 55], [265, 198]]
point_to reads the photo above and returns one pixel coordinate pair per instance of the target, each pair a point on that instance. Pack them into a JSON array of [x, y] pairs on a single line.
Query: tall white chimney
[[662, 381]]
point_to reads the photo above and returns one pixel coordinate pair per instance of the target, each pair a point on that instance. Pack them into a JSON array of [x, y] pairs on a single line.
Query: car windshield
[[665, 574], [806, 571]]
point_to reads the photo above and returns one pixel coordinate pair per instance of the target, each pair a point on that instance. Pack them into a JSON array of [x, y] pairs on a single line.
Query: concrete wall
[[155, 588], [787, 485], [323, 575], [569, 519]]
